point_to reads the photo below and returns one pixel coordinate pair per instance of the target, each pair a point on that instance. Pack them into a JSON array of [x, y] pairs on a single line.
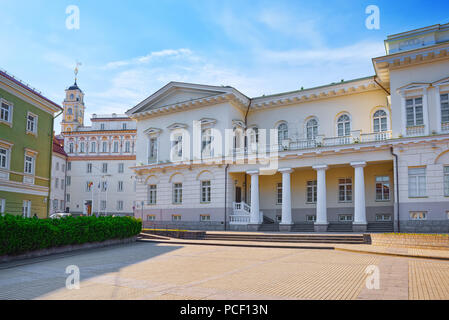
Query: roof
[[58, 146], [29, 89], [74, 87]]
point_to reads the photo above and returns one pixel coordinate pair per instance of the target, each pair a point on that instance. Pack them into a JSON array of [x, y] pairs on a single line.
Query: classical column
[[255, 211], [286, 221], [321, 205], [359, 224]]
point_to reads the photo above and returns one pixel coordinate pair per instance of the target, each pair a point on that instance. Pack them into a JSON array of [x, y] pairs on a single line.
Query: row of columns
[[359, 223]]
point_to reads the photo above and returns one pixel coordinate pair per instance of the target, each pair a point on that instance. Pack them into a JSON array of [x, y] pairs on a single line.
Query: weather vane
[[76, 70]]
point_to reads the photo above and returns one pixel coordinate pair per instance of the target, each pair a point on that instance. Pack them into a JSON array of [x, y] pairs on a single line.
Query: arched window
[[344, 126], [380, 120], [282, 132], [69, 111], [312, 129], [71, 96]]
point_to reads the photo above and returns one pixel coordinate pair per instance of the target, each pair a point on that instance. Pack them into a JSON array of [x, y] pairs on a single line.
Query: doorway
[[238, 194]]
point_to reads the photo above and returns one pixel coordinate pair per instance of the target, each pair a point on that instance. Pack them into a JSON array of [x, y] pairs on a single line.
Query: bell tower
[[73, 104]]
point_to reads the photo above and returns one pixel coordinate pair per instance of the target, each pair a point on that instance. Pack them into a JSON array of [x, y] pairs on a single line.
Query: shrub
[[18, 234]]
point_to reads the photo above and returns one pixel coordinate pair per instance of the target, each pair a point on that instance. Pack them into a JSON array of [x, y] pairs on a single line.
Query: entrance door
[[238, 194], [87, 207]]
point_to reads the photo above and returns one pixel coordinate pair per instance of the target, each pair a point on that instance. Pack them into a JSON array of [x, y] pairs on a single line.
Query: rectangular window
[[29, 165], [417, 182], [176, 217], [68, 197], [418, 215], [279, 193], [69, 166], [177, 193], [121, 167], [383, 217], [31, 123], [104, 186], [71, 147], [55, 204], [151, 217], [115, 146], [57, 166], [414, 112], [89, 168], [177, 147], [82, 147], [446, 181], [120, 205], [2, 205], [57, 183], [61, 205], [4, 158], [62, 184], [383, 188], [105, 146], [104, 168], [127, 146], [120, 186], [63, 168], [93, 147], [345, 190], [311, 191], [152, 154], [205, 217], [103, 205], [5, 112], [345, 217], [444, 108], [69, 180], [124, 126], [311, 218], [152, 194], [102, 126], [205, 191]]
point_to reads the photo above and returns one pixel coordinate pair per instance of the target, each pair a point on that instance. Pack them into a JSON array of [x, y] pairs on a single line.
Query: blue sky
[[129, 49]]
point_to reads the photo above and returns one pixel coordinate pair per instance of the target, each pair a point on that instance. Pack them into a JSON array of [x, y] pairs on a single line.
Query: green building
[[26, 142]]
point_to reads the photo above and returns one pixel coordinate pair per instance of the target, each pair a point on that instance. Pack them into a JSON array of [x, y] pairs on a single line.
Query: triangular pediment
[[177, 93]]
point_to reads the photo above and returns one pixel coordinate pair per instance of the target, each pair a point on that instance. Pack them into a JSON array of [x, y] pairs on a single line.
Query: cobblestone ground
[[161, 271]]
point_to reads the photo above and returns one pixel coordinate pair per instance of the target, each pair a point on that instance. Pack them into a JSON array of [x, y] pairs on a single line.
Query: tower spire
[[76, 70]]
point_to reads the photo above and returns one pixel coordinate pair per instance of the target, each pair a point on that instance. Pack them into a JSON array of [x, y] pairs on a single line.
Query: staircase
[[285, 238], [339, 227], [380, 226], [303, 227]]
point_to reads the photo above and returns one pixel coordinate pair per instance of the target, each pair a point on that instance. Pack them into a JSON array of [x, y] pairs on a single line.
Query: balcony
[[416, 130]]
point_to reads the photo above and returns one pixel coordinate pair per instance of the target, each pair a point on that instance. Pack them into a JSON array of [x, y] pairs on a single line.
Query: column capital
[[285, 170], [253, 172], [320, 167], [357, 164]]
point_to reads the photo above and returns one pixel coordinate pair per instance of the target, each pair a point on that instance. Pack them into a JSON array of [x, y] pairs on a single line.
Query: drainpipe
[[226, 196], [396, 164]]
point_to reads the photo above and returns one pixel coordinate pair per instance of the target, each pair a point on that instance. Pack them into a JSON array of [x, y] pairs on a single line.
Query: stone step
[[342, 241]]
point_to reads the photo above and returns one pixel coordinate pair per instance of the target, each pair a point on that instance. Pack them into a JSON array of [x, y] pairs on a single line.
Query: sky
[[130, 49]]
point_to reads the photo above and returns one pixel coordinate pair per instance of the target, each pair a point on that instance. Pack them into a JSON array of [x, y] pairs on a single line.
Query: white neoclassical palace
[[365, 154]]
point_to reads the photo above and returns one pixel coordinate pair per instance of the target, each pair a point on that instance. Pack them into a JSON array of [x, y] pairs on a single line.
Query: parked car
[[59, 215]]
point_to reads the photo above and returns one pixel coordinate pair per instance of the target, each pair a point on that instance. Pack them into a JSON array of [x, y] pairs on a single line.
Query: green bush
[[18, 234]]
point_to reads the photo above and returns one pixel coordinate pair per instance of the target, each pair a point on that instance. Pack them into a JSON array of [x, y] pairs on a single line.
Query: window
[[151, 217], [62, 184], [26, 208], [310, 218], [282, 132], [61, 205], [312, 129], [380, 121], [344, 126], [115, 146], [4, 158], [57, 166], [120, 205], [5, 112], [444, 98], [153, 149], [93, 147], [69, 180], [152, 194], [345, 217], [121, 167], [29, 165], [383, 217], [414, 112], [124, 126], [127, 146], [69, 166], [279, 193], [103, 205], [63, 167], [120, 186], [104, 186], [31, 123], [383, 188], [206, 142], [82, 147], [446, 181], [105, 146], [177, 193], [104, 168], [102, 126], [176, 217], [205, 191], [69, 111], [57, 183], [417, 182], [68, 197], [418, 215], [177, 146], [2, 205], [345, 190], [311, 191], [205, 217], [71, 147], [89, 168]]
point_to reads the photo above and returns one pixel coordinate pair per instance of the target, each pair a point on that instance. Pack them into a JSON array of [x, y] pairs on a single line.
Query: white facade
[[58, 182], [332, 164]]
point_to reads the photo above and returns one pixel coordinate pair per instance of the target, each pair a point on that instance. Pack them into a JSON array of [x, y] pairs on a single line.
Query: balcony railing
[[416, 130], [445, 126], [376, 136]]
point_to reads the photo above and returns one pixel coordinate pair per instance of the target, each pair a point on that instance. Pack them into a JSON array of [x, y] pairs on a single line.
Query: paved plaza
[[169, 271]]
